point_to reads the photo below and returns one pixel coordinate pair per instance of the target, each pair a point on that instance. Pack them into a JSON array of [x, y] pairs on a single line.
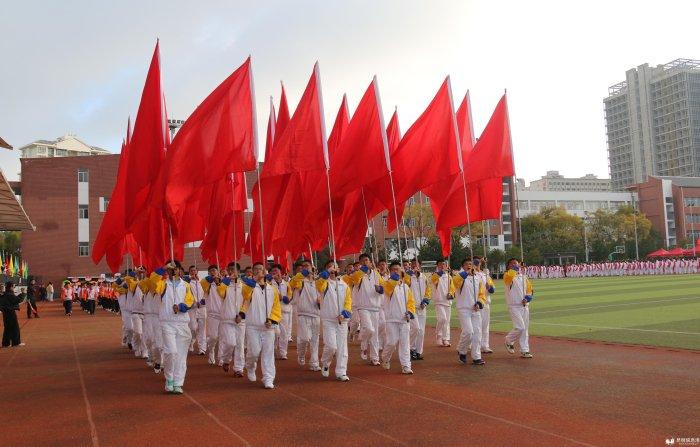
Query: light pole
[[634, 216], [585, 237]]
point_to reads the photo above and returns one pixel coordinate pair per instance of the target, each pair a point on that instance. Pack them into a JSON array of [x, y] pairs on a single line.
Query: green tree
[[551, 231], [11, 242]]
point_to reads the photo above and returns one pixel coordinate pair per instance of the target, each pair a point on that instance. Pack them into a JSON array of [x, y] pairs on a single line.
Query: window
[[83, 249], [83, 175], [104, 203], [82, 211]]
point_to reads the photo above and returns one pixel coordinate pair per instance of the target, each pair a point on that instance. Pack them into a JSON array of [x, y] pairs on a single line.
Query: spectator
[[9, 304], [49, 291], [31, 300]]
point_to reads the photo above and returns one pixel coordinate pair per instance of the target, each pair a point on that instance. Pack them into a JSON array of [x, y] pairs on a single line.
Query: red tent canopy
[[692, 251], [678, 251], [658, 253]]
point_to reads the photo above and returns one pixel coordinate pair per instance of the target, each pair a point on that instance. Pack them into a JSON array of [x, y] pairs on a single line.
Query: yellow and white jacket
[[421, 289], [398, 302], [468, 291], [283, 288], [260, 303], [172, 293], [233, 300], [305, 295], [366, 296], [336, 299], [517, 286], [442, 287], [214, 295]]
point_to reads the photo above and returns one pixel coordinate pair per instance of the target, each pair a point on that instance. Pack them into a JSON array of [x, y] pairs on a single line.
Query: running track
[[73, 385]]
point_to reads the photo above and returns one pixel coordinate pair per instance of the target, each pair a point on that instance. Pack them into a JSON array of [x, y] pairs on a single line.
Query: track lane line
[[603, 327], [88, 410], [217, 420]]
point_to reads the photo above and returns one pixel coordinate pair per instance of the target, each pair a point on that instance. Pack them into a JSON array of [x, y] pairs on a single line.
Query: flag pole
[[257, 167]]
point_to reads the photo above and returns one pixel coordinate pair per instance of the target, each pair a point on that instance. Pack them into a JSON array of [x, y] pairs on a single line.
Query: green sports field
[[647, 310]]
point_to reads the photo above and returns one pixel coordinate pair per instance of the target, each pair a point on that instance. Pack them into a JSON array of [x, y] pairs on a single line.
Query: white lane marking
[[88, 410], [605, 327], [217, 420]]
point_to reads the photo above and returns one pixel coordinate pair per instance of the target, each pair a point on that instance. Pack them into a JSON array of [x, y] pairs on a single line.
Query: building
[[553, 181], [577, 203], [672, 204], [652, 122], [65, 146]]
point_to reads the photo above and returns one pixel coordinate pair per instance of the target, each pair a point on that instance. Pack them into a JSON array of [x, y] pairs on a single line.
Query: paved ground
[[73, 385]]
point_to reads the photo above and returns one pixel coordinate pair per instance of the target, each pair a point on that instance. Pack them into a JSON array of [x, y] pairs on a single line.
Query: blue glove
[[209, 279], [268, 277], [305, 272], [186, 278], [379, 289], [364, 268], [463, 274], [182, 307], [285, 300], [440, 272], [476, 262], [242, 315], [119, 281], [202, 302], [159, 271], [248, 281], [516, 268], [394, 277], [491, 289], [226, 281], [324, 274], [479, 304], [345, 314], [410, 315], [425, 301], [528, 298], [410, 272]]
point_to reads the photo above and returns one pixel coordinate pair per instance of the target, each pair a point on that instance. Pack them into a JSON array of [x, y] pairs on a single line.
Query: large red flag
[[225, 236], [283, 115], [148, 143], [271, 124], [217, 139]]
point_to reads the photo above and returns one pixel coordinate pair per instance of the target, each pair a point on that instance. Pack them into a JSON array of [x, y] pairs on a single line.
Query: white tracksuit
[[467, 293], [398, 304], [175, 329], [261, 304], [308, 318], [138, 341], [285, 332], [442, 287], [151, 327], [126, 316], [213, 303], [231, 334], [421, 289], [198, 316], [516, 287], [486, 311], [368, 303], [125, 308], [336, 301]]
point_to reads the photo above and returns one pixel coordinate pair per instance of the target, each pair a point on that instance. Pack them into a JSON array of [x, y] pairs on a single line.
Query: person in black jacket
[[31, 300], [9, 304]]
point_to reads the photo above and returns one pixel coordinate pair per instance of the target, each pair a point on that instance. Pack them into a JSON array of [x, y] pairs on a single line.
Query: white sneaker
[[406, 370], [177, 390], [169, 387], [386, 365], [510, 348], [325, 372], [251, 376], [363, 354], [526, 355], [301, 360], [374, 363], [269, 386], [315, 368], [343, 378]]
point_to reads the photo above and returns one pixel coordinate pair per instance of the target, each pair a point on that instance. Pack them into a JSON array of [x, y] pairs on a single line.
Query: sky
[[79, 66]]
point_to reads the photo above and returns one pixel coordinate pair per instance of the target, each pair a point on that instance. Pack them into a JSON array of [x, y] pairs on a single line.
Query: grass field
[[647, 310]]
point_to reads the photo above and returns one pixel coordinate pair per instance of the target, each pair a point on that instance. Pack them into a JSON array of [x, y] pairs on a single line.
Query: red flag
[[271, 124], [283, 118], [225, 220], [218, 138], [148, 143]]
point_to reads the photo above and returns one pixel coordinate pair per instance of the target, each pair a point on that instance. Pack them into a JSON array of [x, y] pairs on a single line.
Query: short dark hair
[[234, 264], [511, 260], [464, 261], [213, 266], [9, 285], [329, 262], [191, 267], [258, 263], [363, 256], [393, 263], [381, 260]]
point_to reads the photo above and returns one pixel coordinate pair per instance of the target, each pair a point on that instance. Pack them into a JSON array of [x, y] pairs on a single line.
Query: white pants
[[520, 315], [176, 342], [470, 321], [137, 340], [369, 333], [354, 325], [202, 334], [285, 333], [335, 344], [231, 344], [153, 336], [443, 314], [382, 328], [397, 334], [261, 345], [212, 336], [418, 332], [127, 327], [485, 326], [308, 329], [193, 325]]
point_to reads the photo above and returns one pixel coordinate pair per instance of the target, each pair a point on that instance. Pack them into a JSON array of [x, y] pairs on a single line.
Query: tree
[[608, 229], [551, 231], [11, 242]]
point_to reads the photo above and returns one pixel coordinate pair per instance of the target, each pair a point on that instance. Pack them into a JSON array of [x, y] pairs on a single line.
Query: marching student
[[231, 332], [469, 300], [261, 312], [383, 269], [443, 292], [152, 332], [354, 323], [198, 313], [286, 324], [336, 309], [308, 316], [67, 294], [213, 297], [369, 293], [399, 309], [420, 287], [518, 292], [482, 271], [176, 300], [126, 305], [93, 295], [136, 308]]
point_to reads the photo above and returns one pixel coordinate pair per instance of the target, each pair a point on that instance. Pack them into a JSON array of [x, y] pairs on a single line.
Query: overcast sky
[[79, 66]]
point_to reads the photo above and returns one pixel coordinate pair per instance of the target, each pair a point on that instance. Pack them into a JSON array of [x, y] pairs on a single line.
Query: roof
[[12, 215], [686, 182], [4, 144]]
